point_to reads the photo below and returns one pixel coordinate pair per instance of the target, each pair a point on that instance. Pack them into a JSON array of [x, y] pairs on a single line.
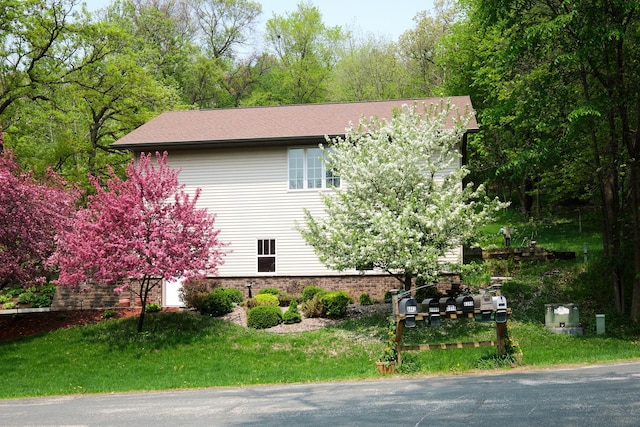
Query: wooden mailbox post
[[500, 341]]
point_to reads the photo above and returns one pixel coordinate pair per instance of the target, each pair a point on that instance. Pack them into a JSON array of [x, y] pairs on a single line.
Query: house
[[258, 168]]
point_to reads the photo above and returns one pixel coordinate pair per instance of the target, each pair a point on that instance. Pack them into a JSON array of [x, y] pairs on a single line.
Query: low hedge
[[335, 303], [267, 299], [216, 303], [235, 295], [292, 315], [264, 316], [313, 307], [310, 291]]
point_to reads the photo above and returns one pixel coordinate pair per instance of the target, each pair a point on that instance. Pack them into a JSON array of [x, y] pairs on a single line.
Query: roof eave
[[226, 143], [231, 143]]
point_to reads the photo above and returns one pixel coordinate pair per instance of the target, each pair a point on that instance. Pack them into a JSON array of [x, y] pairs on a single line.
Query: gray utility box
[[563, 318]]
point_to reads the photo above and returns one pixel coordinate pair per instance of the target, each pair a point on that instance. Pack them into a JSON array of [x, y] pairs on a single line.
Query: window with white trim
[[266, 256], [307, 170]]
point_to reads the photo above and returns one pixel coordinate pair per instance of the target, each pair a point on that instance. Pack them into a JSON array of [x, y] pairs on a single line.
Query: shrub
[[387, 297], [26, 297], [267, 299], [292, 315], [108, 314], [365, 299], [194, 291], [14, 292], [335, 303], [153, 307], [313, 307], [216, 303], [196, 300], [9, 305], [272, 291], [285, 298], [235, 295], [251, 302], [4, 298], [310, 291], [424, 293], [264, 316]]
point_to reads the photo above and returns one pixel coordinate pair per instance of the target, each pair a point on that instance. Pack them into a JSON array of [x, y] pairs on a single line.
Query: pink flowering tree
[[32, 211], [139, 231]]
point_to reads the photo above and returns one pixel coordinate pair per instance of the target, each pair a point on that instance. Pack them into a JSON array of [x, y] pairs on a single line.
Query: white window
[[266, 256], [307, 170]]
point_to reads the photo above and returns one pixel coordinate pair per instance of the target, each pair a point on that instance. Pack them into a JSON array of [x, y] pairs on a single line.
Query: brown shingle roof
[[265, 124]]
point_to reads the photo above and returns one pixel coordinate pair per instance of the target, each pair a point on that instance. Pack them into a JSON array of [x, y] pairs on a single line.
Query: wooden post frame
[[500, 342]]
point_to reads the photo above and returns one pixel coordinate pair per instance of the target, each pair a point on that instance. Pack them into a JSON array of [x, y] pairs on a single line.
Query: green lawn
[[186, 350]]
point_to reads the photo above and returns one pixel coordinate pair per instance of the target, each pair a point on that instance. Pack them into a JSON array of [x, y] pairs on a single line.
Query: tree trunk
[[144, 289], [634, 151], [407, 281], [611, 238]]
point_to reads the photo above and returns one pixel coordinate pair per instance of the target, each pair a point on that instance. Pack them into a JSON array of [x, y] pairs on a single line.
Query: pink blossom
[[145, 228], [32, 212]]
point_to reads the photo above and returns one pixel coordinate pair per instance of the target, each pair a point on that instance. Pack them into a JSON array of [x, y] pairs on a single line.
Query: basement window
[[266, 256]]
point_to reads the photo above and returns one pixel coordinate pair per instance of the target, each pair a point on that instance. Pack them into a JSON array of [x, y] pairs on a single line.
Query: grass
[[186, 350], [179, 350]]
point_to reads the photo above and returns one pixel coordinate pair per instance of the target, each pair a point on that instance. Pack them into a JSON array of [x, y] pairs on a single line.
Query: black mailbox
[[448, 305], [408, 307], [465, 304], [432, 306]]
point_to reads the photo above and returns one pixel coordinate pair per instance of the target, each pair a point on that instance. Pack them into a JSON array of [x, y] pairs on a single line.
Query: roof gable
[[254, 125]]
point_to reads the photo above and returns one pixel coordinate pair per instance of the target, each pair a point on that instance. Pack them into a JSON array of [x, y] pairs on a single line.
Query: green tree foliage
[[222, 26], [37, 49], [421, 46], [74, 127], [368, 70], [399, 211], [561, 81], [306, 52]]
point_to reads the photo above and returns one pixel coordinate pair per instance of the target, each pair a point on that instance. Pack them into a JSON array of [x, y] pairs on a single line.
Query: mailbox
[[465, 304], [448, 305], [483, 303], [500, 306], [408, 307], [432, 306]]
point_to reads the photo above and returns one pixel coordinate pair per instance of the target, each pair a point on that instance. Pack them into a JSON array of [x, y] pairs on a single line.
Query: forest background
[[555, 84]]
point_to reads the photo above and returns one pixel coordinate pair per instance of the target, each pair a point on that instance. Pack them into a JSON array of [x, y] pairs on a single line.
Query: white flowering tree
[[402, 206]]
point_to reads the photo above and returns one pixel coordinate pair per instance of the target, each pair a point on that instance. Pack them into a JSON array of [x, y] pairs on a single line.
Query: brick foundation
[[102, 296], [374, 285], [98, 296]]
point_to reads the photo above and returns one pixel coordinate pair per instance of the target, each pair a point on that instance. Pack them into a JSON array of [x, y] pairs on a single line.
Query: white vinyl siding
[[249, 192]]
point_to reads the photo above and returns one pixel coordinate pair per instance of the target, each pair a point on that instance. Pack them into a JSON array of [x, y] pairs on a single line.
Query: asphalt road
[[603, 395]]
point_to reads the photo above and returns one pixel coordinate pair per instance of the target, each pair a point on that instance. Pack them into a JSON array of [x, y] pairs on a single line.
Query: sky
[[385, 18]]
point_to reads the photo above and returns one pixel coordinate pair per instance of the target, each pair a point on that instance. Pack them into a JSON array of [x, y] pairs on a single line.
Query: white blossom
[[403, 205]]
